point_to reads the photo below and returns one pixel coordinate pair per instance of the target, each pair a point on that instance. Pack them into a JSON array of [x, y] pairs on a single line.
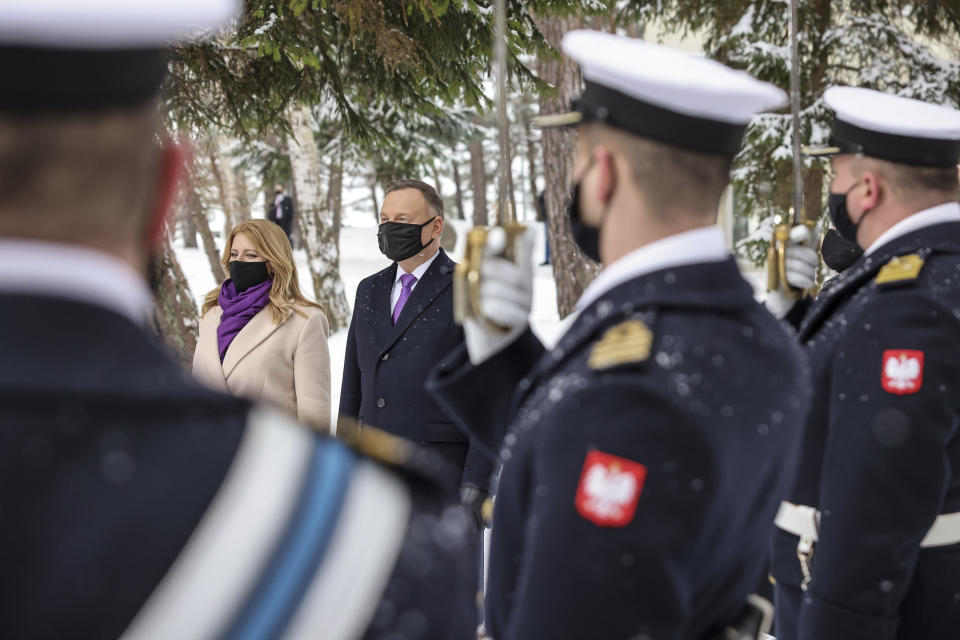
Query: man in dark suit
[[402, 326], [280, 211], [136, 502]]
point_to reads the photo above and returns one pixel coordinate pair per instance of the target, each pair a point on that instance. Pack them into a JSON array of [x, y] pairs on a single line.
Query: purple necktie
[[407, 281]]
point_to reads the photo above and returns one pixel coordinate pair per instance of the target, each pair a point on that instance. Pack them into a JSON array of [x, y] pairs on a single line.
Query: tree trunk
[[225, 179], [513, 197], [175, 316], [373, 197], [188, 226], [459, 194], [317, 229], [478, 184], [243, 210], [531, 160], [335, 195], [202, 223], [571, 270]]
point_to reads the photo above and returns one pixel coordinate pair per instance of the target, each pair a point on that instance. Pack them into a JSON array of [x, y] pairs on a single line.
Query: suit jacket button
[[381, 403], [385, 357]]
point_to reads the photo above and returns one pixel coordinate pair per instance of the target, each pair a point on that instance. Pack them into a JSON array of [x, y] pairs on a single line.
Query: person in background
[[542, 218], [280, 211], [259, 336]]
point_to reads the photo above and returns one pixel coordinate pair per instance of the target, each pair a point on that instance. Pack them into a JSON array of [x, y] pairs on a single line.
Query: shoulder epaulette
[[900, 269], [625, 343]]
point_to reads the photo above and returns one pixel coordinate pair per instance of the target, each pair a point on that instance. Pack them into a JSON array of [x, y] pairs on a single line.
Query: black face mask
[[838, 253], [247, 274], [399, 241], [585, 236], [837, 206]]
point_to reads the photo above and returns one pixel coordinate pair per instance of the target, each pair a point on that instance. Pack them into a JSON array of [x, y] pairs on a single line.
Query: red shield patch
[[902, 371], [609, 489]]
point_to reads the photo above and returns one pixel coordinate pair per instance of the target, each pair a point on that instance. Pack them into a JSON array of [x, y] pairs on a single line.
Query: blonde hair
[[270, 242]]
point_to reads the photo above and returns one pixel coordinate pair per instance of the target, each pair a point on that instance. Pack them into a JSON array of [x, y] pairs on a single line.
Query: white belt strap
[[804, 521]]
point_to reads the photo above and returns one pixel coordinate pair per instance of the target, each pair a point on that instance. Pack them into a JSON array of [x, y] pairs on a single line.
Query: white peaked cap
[[686, 83], [889, 127], [652, 91], [90, 55], [101, 24], [887, 113]]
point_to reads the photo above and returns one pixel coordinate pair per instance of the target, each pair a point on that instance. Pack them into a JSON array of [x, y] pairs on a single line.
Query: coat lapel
[[380, 294], [260, 327], [210, 356], [437, 278]]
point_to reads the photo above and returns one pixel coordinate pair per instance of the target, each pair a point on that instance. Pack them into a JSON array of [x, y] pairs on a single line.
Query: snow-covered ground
[[359, 258]]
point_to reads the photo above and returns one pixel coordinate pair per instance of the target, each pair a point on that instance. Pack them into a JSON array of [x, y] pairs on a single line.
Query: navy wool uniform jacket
[[880, 454], [386, 366], [643, 460], [135, 500]]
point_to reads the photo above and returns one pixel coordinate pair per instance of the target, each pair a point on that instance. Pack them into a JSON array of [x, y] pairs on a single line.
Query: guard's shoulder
[[625, 343]]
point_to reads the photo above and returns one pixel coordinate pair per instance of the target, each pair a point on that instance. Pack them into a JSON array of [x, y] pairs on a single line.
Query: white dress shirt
[[417, 273], [947, 212], [704, 244], [76, 273]]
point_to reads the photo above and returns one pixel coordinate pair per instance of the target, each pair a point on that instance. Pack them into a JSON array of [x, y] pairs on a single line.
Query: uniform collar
[[690, 247], [419, 271], [947, 212], [76, 273]]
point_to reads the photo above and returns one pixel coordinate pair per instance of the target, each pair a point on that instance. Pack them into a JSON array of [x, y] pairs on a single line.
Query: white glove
[[802, 262], [506, 296]]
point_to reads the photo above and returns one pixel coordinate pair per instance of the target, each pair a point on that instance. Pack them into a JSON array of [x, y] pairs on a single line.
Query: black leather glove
[[471, 501]]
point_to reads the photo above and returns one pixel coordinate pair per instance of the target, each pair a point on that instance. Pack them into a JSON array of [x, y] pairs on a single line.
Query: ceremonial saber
[[466, 277], [777, 254]]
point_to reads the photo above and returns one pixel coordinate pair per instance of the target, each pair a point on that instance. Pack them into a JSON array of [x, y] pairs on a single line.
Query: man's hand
[[506, 296], [471, 500], [802, 262]]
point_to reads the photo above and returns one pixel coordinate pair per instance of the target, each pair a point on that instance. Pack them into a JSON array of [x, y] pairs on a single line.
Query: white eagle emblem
[[609, 489], [902, 371]]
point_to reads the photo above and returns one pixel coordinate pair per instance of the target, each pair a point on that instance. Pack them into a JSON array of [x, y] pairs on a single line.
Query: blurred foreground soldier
[[135, 502], [868, 546], [646, 452]]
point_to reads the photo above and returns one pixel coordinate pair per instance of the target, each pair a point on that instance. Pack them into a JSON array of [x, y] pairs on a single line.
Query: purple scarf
[[238, 309]]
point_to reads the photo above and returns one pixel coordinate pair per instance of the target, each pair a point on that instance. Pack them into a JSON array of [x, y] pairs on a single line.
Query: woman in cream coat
[[260, 338]]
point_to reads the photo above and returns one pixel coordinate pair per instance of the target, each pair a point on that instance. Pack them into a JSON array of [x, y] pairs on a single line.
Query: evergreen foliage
[[879, 44]]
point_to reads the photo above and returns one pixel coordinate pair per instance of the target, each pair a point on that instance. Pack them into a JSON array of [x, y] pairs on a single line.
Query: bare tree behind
[[478, 184], [458, 196], [320, 237], [175, 315], [571, 270]]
